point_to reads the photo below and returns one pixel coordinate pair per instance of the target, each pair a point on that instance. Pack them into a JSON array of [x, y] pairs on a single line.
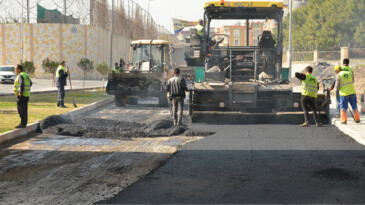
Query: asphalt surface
[[40, 85], [257, 164]]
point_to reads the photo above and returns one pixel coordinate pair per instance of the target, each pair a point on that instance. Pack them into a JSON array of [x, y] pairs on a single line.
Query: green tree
[[327, 24], [28, 67], [50, 66], [86, 65], [103, 69]]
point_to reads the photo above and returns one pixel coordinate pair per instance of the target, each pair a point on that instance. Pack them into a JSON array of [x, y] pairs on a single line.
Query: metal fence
[[303, 56], [123, 17], [357, 53], [329, 55]]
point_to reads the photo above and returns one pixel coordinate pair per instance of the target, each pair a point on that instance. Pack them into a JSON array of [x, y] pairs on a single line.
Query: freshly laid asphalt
[[257, 164]]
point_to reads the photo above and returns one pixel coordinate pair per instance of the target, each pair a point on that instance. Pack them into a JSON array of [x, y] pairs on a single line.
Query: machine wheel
[[119, 100]]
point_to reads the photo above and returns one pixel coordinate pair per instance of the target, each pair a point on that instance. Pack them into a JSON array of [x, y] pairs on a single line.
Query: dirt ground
[[82, 168]]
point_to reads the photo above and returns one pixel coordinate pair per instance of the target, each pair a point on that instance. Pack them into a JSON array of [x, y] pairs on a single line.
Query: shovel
[[73, 98]]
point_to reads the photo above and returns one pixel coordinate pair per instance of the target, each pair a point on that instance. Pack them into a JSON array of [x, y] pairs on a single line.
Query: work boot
[[357, 116], [20, 126], [343, 116], [62, 105], [305, 124]]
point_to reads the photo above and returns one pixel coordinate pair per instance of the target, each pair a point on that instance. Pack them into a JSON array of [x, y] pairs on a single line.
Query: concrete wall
[[67, 42]]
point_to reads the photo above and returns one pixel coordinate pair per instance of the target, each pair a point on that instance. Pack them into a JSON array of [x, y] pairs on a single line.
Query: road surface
[[238, 164], [257, 164]]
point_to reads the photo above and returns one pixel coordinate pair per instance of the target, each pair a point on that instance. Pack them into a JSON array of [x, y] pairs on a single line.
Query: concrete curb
[[51, 91], [14, 134], [355, 131]]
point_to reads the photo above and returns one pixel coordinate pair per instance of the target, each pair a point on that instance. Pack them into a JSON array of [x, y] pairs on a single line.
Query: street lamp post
[[290, 36]]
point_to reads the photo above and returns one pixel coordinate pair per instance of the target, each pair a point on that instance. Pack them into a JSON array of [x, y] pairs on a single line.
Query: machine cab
[[149, 56]]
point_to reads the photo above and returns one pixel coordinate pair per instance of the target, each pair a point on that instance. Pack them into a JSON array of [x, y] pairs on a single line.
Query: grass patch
[[43, 105]]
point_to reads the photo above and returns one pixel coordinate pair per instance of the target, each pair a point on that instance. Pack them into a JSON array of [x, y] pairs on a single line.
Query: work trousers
[[22, 105], [309, 102], [345, 100], [61, 96], [177, 109]]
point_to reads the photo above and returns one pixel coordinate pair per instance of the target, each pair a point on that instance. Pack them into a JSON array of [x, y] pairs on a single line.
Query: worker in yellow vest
[[199, 27], [116, 68], [346, 67], [310, 88], [346, 87], [61, 76], [22, 86]]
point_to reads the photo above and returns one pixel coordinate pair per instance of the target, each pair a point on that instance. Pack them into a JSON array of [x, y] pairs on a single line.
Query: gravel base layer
[[115, 129]]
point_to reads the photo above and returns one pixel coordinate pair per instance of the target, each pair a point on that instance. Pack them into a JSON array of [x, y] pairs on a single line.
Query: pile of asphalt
[[321, 70], [114, 129]]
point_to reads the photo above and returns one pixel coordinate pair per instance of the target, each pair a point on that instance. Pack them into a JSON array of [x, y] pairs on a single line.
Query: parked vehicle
[[7, 74]]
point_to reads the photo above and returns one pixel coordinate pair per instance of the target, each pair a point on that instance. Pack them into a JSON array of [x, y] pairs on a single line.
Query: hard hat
[[337, 68]]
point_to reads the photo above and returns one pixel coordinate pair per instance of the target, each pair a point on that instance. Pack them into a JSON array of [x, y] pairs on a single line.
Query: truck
[[147, 72], [239, 77]]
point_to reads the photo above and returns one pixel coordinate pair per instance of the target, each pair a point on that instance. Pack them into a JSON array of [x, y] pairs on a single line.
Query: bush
[[50, 66], [86, 66], [28, 67]]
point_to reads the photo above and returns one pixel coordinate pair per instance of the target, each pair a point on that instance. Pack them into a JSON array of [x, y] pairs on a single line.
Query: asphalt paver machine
[[148, 70], [238, 69]]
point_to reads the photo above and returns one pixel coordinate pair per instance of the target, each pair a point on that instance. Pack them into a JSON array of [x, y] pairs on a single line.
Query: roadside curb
[[51, 91], [355, 131], [13, 134]]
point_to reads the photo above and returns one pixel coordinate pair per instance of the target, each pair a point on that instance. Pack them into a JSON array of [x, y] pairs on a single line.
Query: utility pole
[[91, 12], [290, 36], [22, 34], [65, 17], [111, 36], [28, 11]]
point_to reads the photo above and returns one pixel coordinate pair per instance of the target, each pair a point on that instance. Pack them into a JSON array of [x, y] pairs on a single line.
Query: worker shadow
[[249, 168]]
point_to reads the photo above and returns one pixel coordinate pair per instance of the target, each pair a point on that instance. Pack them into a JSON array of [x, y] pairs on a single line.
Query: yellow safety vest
[[310, 86], [347, 86], [26, 92], [346, 68], [199, 29], [60, 67], [116, 70]]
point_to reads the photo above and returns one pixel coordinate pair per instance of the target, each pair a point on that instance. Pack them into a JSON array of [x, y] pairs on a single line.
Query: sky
[[163, 11]]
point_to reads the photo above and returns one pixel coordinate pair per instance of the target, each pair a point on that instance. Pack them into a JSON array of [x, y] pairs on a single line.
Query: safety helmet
[[337, 68]]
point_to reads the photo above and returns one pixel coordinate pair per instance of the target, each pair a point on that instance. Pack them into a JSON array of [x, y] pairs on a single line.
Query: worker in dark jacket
[[176, 86], [61, 75], [22, 86], [310, 88]]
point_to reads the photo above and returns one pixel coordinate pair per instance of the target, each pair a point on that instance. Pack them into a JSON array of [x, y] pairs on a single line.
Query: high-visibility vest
[[199, 29], [310, 86], [347, 86], [346, 68], [26, 92], [60, 67], [116, 70]]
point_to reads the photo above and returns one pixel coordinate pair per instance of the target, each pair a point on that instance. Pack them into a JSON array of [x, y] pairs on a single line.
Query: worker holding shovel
[[61, 76]]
